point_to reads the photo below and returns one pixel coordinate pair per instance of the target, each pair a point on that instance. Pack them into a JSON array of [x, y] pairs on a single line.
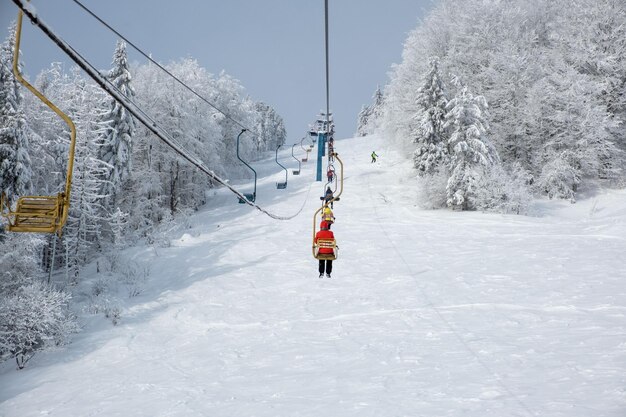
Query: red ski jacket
[[324, 234]]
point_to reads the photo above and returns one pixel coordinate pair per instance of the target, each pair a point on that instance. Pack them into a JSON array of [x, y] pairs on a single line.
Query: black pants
[[329, 266]]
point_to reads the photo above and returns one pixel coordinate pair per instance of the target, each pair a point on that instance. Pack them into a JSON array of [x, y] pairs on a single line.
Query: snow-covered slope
[[428, 313]]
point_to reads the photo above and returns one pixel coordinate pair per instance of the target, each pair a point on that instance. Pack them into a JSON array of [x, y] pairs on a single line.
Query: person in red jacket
[[330, 174], [325, 264]]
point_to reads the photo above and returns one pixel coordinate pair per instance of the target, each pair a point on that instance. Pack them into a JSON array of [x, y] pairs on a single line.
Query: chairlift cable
[[327, 78], [146, 120], [163, 68]]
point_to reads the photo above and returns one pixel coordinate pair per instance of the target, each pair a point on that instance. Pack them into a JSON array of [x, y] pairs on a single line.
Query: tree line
[[499, 100]]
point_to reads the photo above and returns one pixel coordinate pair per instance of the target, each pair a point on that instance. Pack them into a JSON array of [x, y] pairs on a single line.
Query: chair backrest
[[327, 244]]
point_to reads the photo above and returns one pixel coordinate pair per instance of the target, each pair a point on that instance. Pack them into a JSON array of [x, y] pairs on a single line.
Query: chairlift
[[42, 214], [295, 172], [337, 181], [281, 185], [323, 243], [249, 197], [307, 150]]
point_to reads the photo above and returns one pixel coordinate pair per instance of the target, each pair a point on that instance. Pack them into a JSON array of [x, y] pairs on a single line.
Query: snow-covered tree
[[559, 178], [362, 120], [471, 151], [553, 72], [31, 319], [430, 136], [83, 231], [119, 126], [190, 122], [19, 253], [503, 191], [369, 117], [118, 221], [377, 105], [145, 201], [15, 164], [575, 133], [51, 142], [269, 127], [229, 95], [32, 315]]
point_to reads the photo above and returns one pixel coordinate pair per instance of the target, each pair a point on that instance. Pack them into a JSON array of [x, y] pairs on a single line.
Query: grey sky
[[274, 47]]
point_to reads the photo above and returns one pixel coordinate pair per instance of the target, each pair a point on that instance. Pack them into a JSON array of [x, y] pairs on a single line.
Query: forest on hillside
[[500, 100], [126, 185]]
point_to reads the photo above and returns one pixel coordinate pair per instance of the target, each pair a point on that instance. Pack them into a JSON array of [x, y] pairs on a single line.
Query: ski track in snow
[[428, 313]]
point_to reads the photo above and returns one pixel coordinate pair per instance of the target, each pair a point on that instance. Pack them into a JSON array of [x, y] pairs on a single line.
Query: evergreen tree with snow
[[555, 83], [119, 126], [369, 116], [86, 215], [379, 101], [430, 135], [15, 165], [471, 151], [50, 145], [362, 120]]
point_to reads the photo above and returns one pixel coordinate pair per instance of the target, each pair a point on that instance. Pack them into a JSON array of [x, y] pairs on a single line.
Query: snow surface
[[428, 313]]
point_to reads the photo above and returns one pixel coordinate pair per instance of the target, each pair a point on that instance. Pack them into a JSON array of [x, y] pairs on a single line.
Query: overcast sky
[[274, 47]]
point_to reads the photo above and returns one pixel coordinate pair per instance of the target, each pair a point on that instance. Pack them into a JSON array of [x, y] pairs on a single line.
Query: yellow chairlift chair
[[43, 214]]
